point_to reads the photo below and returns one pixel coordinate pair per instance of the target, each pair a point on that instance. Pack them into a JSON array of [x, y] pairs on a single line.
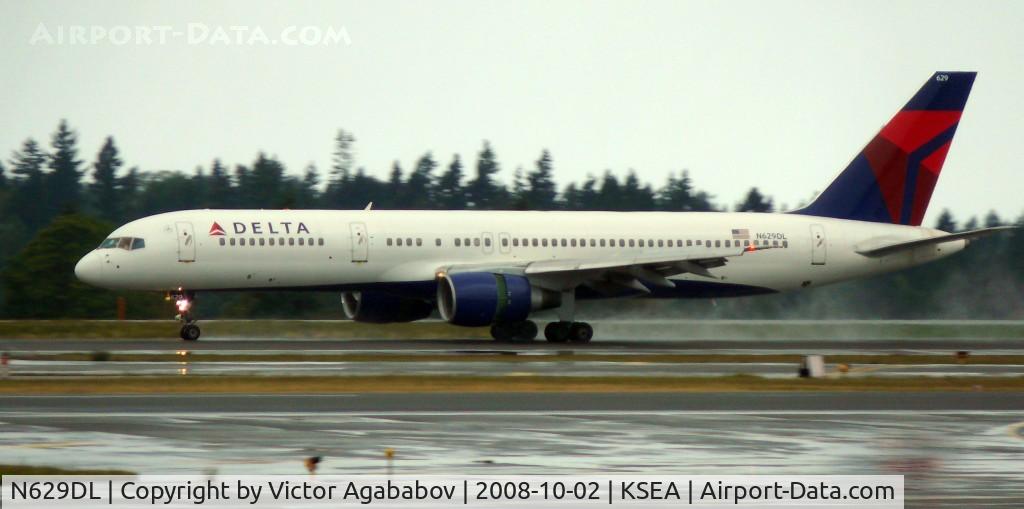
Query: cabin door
[[819, 245], [186, 242], [360, 242]]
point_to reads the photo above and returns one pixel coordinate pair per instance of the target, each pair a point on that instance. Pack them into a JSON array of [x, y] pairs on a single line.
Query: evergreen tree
[[264, 184], [610, 196], [130, 191], [40, 281], [309, 187], [104, 187], [483, 193], [449, 193], [396, 189], [755, 202], [992, 219], [636, 196], [520, 201], [946, 222], [3, 177], [541, 193], [342, 162], [219, 192], [64, 180], [419, 189], [29, 197]]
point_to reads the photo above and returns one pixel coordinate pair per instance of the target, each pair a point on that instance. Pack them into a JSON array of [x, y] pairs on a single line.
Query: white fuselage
[[352, 250]]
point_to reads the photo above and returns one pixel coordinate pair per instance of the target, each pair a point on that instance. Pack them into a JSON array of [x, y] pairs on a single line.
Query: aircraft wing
[[885, 248], [609, 275]]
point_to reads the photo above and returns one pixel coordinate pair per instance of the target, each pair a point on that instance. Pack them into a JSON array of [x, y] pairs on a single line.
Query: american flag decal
[[741, 234]]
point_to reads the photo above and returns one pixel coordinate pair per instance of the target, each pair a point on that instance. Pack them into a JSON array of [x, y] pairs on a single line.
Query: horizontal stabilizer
[[886, 249]]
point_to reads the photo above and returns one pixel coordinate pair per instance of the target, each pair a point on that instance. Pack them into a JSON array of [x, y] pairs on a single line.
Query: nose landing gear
[[183, 302]]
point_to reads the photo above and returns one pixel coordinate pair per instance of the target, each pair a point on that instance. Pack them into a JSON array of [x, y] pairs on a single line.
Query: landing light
[[183, 305]]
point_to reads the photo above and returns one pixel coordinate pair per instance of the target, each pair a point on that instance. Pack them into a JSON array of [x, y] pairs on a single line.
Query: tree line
[[53, 190]]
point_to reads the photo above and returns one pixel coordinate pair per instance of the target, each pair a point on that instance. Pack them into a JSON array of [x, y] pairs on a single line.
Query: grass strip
[[527, 383]]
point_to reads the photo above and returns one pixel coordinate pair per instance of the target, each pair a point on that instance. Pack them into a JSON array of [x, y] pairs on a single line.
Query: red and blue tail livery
[[891, 180]]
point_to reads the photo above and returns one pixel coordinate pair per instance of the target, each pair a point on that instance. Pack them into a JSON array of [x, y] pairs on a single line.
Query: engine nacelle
[[475, 299], [380, 307]]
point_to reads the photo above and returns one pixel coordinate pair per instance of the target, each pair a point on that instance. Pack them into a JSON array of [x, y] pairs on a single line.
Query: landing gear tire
[[190, 332], [581, 332], [515, 331], [557, 332]]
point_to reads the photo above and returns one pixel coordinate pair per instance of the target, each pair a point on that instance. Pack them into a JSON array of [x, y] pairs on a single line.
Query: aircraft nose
[[88, 269]]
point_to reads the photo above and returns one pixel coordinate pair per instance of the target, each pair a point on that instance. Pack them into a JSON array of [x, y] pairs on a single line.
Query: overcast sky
[[779, 95]]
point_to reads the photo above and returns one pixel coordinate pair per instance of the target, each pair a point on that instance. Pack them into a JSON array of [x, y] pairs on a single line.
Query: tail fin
[[892, 178]]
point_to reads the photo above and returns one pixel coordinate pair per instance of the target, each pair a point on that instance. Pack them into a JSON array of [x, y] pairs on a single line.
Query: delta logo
[[260, 228], [216, 230]]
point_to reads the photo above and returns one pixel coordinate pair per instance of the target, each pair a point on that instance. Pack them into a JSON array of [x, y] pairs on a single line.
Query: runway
[[956, 450], [536, 365]]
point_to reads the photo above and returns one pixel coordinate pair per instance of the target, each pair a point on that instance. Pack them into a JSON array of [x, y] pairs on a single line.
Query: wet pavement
[[954, 452], [638, 367]]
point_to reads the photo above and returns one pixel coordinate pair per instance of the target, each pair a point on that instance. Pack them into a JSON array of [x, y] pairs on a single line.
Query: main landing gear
[[562, 331], [183, 302], [566, 329], [514, 331]]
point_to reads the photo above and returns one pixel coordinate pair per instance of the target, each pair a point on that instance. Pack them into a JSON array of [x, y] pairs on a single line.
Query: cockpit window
[[126, 243]]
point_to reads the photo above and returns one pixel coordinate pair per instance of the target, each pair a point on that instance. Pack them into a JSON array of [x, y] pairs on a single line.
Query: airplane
[[497, 268]]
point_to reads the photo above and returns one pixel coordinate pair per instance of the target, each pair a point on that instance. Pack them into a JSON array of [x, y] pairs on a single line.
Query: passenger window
[[399, 241], [252, 242], [271, 241], [515, 242], [622, 243], [602, 243], [487, 242], [573, 243], [727, 244], [504, 242], [263, 241], [232, 241], [408, 241], [534, 242], [300, 241], [718, 243], [291, 241], [689, 242], [785, 244], [437, 242], [222, 241], [476, 241], [419, 242], [661, 243], [593, 243], [631, 243], [320, 241], [775, 243], [311, 242], [458, 242]]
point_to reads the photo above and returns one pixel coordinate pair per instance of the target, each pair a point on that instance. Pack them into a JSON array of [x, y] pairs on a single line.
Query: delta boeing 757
[[480, 268]]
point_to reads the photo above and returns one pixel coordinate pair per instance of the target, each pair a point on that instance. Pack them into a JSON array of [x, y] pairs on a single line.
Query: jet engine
[[381, 307], [475, 299]]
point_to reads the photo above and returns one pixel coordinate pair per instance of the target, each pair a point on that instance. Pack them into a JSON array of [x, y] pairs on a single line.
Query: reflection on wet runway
[[638, 367], [949, 458]]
